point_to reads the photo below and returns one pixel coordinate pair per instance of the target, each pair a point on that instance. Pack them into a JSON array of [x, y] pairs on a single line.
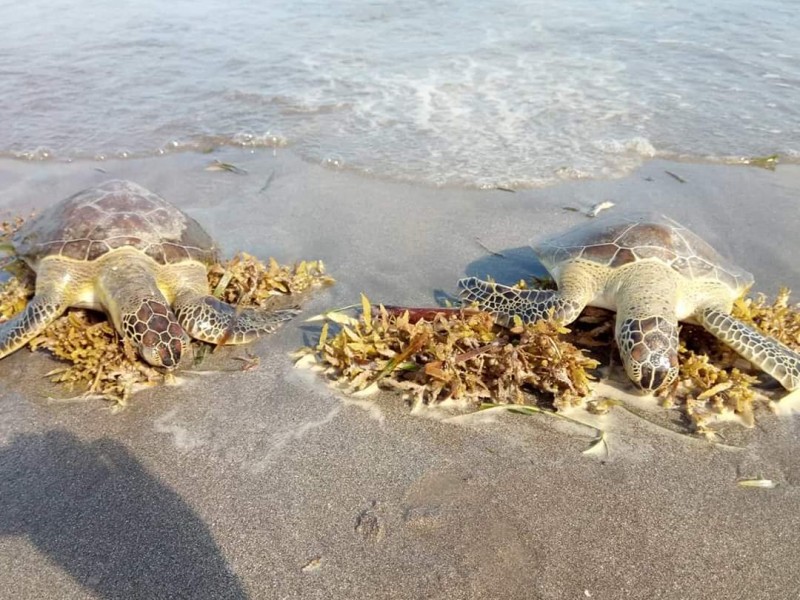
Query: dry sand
[[268, 484]]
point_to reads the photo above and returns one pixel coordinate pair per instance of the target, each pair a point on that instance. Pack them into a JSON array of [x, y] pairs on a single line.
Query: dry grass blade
[[599, 207], [756, 483], [218, 165], [598, 443]]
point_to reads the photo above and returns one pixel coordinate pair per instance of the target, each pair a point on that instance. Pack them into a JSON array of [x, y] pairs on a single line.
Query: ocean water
[[446, 92]]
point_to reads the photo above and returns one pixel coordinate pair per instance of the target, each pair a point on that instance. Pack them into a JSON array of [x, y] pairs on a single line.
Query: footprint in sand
[[369, 524]]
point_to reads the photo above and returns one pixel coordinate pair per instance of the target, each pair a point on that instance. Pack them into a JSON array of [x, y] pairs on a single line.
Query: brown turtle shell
[[617, 240], [113, 215]]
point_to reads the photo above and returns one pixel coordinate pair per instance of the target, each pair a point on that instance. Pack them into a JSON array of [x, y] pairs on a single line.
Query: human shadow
[[93, 509]]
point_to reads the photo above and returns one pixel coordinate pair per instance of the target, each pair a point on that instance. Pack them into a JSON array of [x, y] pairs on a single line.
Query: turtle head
[[649, 351], [155, 332]]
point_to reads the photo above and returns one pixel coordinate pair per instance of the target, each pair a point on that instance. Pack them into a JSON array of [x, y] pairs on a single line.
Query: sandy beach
[[270, 484]]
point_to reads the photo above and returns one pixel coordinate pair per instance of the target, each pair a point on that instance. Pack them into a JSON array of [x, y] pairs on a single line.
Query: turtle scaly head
[[156, 333], [649, 351]]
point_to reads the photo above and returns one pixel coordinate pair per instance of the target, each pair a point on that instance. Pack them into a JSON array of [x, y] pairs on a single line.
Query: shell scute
[[702, 268], [113, 215], [96, 250], [76, 249], [617, 240], [623, 256], [603, 252]]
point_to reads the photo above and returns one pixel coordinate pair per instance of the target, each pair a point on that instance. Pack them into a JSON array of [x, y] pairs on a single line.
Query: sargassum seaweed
[[434, 355], [438, 355], [100, 363]]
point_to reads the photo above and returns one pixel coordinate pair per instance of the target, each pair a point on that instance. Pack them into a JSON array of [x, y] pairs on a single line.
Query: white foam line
[[282, 439]]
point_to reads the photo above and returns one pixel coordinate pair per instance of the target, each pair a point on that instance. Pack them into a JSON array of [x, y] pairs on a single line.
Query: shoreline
[[44, 157], [268, 483]]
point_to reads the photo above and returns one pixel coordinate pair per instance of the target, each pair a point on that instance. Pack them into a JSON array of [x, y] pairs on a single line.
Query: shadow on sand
[[92, 508], [509, 267]]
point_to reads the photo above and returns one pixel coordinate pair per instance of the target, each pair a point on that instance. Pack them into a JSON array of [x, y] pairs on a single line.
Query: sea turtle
[[120, 248], [653, 272]]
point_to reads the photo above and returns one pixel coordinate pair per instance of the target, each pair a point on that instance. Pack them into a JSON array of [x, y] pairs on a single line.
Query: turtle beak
[[654, 379], [659, 376], [168, 355], [177, 353]]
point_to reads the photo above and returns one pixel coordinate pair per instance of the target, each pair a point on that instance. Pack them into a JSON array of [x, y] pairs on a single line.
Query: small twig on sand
[[489, 250], [218, 165], [676, 177], [267, 182], [599, 207]]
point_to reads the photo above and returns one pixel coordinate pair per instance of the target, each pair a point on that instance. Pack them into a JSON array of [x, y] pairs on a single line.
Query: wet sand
[[269, 484]]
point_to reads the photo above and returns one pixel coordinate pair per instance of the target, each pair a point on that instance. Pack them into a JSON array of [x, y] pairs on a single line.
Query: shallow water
[[477, 94]]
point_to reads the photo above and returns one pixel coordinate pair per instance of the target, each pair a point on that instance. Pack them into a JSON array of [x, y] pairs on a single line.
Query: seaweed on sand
[[765, 162], [14, 294], [102, 364], [246, 280], [714, 379], [779, 318], [8, 228], [438, 354], [96, 359], [708, 388]]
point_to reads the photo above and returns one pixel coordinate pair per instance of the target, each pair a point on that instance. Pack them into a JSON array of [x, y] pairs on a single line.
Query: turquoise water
[[442, 92]]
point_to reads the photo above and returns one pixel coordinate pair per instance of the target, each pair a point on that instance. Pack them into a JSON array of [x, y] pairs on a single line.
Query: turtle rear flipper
[[43, 309], [767, 354], [210, 320], [529, 305]]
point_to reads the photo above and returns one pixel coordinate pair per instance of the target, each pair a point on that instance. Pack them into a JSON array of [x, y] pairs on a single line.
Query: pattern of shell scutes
[[113, 215], [617, 240]]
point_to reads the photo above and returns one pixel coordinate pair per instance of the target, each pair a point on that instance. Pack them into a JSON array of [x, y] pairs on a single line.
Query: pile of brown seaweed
[[437, 354], [97, 359], [247, 281], [15, 293], [18, 288], [714, 379]]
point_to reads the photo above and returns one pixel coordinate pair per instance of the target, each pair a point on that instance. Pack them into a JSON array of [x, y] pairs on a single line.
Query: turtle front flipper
[[529, 305], [210, 320], [767, 354], [43, 309]]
